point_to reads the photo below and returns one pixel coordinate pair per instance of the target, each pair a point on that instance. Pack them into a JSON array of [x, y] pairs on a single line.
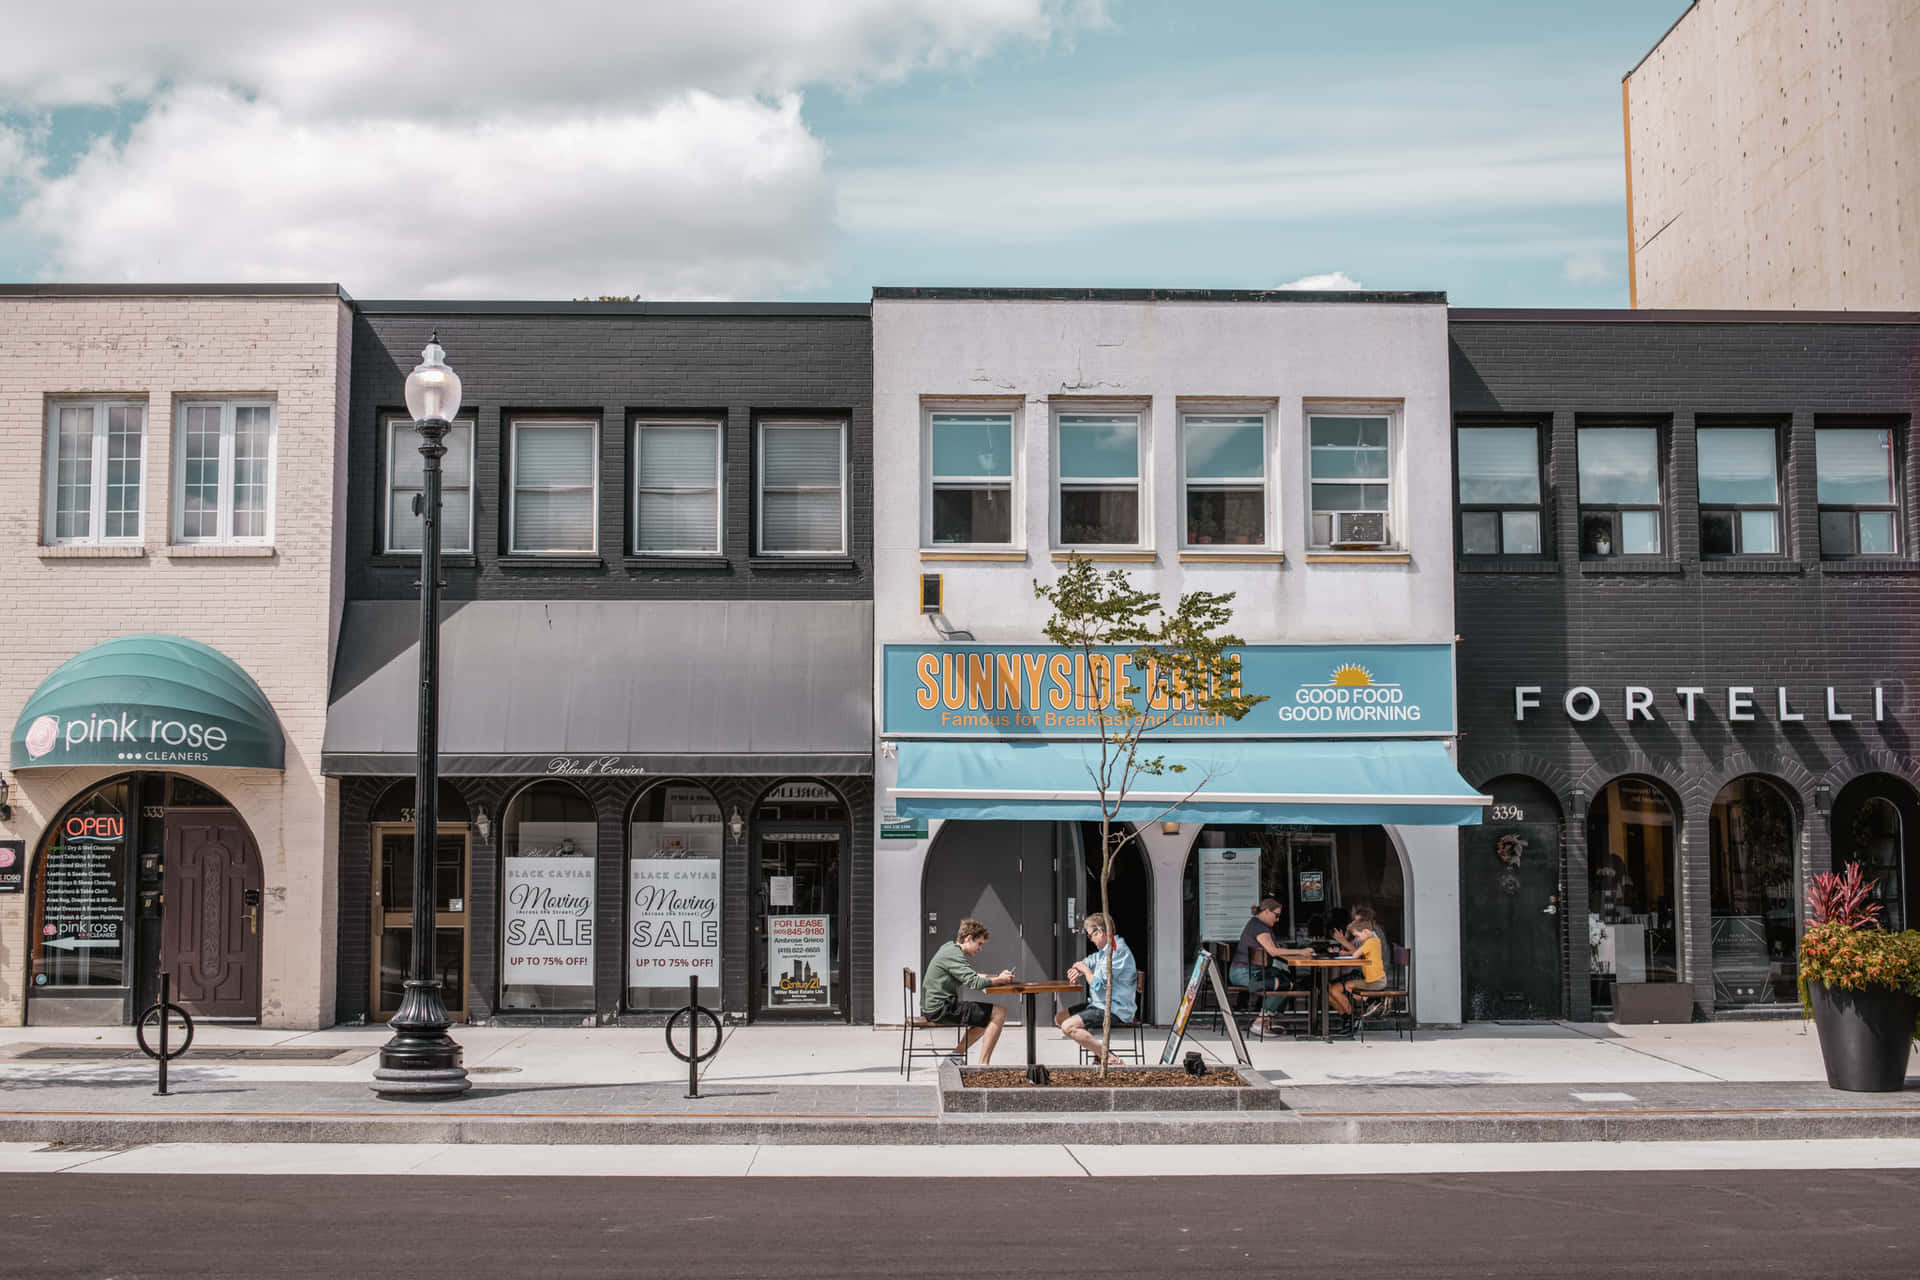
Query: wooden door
[[393, 916], [210, 915]]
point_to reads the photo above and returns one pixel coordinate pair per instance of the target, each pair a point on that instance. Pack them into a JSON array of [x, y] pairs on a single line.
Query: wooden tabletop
[[1041, 987], [1331, 962]]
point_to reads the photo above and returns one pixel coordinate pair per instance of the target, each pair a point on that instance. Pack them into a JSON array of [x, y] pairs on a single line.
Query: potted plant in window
[[1860, 984]]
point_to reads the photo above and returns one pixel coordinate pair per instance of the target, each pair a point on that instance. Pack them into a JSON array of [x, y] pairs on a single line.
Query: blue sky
[[749, 148]]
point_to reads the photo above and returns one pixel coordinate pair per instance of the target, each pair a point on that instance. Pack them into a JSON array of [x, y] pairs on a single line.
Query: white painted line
[[1496, 1157], [589, 1161], [1604, 1097], [916, 1162]]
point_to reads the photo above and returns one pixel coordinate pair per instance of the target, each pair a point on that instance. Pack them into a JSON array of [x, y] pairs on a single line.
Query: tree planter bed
[[1126, 1088]]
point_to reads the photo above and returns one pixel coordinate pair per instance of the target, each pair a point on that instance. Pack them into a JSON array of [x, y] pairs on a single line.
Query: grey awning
[[610, 687]]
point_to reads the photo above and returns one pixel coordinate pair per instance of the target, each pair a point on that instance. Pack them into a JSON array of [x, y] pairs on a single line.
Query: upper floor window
[[1350, 479], [1223, 479], [803, 471], [1619, 491], [95, 471], [1098, 469], [556, 487], [223, 472], [1739, 491], [1859, 509], [1499, 479], [676, 487], [970, 469], [405, 531]]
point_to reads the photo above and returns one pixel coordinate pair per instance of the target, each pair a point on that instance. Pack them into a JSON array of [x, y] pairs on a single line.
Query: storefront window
[[799, 830], [1320, 873], [80, 907], [673, 896], [1751, 839], [548, 843], [1632, 896], [1875, 837]]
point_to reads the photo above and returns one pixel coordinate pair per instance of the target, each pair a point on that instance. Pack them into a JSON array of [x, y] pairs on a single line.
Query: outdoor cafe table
[[1322, 985], [1029, 990]]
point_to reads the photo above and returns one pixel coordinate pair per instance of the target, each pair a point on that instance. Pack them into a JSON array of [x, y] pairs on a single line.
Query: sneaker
[[957, 1059], [1374, 1008]]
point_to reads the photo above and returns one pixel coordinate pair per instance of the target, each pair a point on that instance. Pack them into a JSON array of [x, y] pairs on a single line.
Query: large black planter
[[1865, 1036]]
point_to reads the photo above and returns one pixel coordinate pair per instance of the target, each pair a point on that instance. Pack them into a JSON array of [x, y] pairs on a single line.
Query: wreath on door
[[1509, 849]]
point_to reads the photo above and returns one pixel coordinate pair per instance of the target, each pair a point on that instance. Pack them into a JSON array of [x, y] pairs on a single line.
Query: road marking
[[1604, 1097]]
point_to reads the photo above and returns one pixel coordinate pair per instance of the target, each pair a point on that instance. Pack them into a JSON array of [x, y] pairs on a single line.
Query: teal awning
[[1333, 783], [149, 700]]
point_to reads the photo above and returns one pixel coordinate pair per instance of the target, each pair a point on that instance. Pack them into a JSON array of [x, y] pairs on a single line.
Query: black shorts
[[968, 1013], [1093, 1015]]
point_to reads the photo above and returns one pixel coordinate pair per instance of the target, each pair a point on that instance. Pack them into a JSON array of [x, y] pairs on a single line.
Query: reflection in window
[[1349, 471], [1099, 473], [971, 460], [1754, 903], [1856, 491], [80, 899], [1632, 922], [1224, 461], [1739, 491], [548, 841], [1499, 481], [673, 895], [1875, 840], [1619, 491]]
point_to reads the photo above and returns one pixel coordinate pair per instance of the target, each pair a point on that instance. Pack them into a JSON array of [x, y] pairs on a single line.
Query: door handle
[[253, 920]]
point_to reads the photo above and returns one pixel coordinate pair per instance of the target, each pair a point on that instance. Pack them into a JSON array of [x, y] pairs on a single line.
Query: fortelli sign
[[1736, 702], [1312, 691]]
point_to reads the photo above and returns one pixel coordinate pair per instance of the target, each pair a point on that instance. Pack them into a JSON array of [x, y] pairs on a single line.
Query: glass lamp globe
[[433, 390]]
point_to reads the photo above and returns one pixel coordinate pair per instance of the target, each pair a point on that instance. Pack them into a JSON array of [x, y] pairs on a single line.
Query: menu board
[[674, 909], [547, 922], [799, 964], [1229, 888]]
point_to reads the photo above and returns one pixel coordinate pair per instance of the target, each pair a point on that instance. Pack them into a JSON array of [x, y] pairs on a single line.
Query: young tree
[[1182, 662]]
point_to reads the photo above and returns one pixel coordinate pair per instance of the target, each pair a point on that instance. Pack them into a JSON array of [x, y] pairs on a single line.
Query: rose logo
[[41, 737], [6, 857], [49, 930]]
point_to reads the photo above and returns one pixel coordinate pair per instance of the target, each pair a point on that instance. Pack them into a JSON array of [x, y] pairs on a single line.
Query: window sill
[[218, 551], [1359, 557], [552, 562], [1858, 565], [1008, 556], [1105, 557], [1630, 564], [1738, 566], [411, 559], [804, 564], [90, 551], [687, 564], [1506, 564], [1253, 555]]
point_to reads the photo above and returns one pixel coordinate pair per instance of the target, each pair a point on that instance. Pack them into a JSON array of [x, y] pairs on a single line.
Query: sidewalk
[[840, 1085]]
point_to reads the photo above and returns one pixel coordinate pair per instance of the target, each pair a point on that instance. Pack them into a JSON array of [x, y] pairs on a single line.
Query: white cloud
[[1589, 268], [1330, 280]]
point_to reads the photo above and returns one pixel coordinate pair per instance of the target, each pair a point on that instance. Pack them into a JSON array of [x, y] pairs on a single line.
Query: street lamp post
[[422, 1060]]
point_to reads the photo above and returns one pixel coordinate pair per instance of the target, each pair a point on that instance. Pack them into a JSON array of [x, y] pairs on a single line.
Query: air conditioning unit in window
[[1359, 528]]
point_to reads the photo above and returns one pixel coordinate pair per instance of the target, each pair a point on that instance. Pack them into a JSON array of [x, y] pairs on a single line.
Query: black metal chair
[[914, 1025], [1396, 1002]]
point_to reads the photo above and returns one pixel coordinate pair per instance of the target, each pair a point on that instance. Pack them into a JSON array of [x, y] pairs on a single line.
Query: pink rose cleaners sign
[[674, 910], [549, 922]]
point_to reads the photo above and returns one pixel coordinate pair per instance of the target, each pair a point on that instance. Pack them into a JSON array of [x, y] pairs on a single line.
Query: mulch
[[1089, 1077]]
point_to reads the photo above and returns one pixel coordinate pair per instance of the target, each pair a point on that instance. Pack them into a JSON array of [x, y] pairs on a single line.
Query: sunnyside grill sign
[[1043, 691]]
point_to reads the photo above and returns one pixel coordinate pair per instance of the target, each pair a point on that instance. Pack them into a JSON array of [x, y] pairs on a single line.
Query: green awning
[[149, 700]]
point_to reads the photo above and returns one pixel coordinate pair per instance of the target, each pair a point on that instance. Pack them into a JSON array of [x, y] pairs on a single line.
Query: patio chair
[[1135, 1029], [913, 1026], [1396, 1002]]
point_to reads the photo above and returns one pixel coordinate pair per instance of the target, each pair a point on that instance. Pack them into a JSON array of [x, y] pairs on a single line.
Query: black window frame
[[1461, 510], [1662, 445], [1778, 506], [1897, 484]]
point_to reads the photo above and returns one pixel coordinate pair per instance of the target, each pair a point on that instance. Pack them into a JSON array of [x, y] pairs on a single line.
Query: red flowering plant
[[1846, 948]]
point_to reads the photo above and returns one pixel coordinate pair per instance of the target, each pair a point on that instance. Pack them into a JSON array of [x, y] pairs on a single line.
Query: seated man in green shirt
[[950, 972]]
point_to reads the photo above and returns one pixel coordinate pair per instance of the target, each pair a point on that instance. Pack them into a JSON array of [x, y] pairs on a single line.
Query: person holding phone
[[949, 973], [1085, 1022]]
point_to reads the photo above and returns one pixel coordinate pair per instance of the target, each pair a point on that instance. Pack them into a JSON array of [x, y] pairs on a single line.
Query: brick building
[[167, 551], [655, 733], [1687, 587]]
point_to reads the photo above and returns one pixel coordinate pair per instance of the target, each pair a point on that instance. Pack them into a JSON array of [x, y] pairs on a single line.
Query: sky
[[768, 149]]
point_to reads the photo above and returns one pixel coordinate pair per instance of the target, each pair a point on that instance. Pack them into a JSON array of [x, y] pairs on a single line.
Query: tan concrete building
[[175, 472], [1773, 157]]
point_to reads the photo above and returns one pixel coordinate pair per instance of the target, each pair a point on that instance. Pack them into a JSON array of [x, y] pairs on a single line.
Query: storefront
[[149, 867], [657, 798]]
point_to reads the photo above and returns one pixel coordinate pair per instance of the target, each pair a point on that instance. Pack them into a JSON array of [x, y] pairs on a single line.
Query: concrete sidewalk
[[840, 1085]]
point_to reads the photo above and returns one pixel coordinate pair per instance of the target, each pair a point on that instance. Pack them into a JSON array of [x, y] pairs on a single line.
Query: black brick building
[[657, 642], [1651, 503]]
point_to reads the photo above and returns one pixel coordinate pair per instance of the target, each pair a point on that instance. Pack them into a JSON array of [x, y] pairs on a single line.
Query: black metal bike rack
[[693, 1012], [162, 1012]]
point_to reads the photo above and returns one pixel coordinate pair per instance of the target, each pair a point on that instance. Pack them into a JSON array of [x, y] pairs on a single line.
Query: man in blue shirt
[[1117, 995]]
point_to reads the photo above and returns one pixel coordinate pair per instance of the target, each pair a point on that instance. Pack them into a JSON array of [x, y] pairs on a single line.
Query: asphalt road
[[1854, 1224]]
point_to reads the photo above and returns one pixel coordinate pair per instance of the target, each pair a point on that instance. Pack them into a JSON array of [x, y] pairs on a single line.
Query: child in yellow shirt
[[1362, 939]]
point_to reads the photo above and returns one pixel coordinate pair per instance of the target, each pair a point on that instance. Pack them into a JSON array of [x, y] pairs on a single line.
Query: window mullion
[[97, 468], [224, 520]]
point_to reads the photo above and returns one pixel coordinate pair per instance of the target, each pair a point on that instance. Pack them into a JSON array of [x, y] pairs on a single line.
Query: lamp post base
[[422, 1060], [420, 1082]]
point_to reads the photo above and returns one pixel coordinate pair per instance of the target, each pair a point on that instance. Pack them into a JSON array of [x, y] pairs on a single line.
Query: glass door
[[393, 853], [799, 928]]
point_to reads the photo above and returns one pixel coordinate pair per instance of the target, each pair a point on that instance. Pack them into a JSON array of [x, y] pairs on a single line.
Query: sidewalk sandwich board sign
[[1204, 969]]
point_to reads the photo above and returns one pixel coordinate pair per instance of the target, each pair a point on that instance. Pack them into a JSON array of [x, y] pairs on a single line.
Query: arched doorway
[[1876, 823], [675, 845], [1752, 833], [799, 884], [549, 865], [1633, 895], [142, 874], [1318, 873], [1510, 905], [1129, 893], [392, 822]]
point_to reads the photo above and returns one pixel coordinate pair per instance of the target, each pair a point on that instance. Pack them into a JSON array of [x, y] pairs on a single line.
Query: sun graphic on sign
[[1352, 676]]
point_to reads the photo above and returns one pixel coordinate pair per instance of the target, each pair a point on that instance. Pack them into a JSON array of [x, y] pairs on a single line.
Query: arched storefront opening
[[549, 847], [1318, 873], [1752, 833], [1633, 894], [1510, 905], [1876, 823], [1129, 893], [675, 843], [798, 876], [144, 873], [392, 820]]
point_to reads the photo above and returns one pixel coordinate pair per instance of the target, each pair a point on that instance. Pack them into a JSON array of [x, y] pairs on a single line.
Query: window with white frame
[[1223, 475], [223, 471], [676, 487], [96, 468], [404, 529], [1350, 479], [802, 491], [556, 487], [1097, 473], [970, 469]]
